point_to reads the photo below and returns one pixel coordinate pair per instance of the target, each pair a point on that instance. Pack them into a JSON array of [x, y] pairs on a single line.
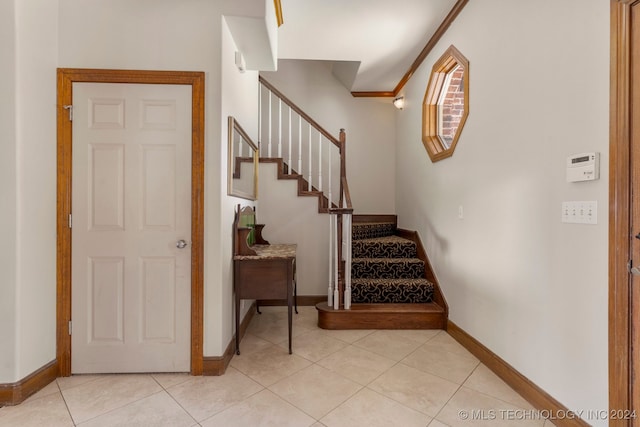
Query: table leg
[[295, 294], [295, 286], [290, 323], [237, 325], [291, 277]]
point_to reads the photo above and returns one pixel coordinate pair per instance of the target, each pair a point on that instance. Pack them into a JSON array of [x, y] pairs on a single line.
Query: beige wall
[[29, 54], [293, 219], [162, 35], [37, 36], [530, 288], [239, 98], [191, 36], [8, 192]]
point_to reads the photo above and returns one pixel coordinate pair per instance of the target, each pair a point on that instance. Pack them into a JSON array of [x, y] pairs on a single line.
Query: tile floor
[[334, 378]]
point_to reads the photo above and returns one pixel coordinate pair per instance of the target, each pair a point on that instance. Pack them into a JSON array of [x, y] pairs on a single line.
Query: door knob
[[181, 244]]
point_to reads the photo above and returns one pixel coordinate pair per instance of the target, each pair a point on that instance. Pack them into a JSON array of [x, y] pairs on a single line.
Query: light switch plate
[[580, 212]]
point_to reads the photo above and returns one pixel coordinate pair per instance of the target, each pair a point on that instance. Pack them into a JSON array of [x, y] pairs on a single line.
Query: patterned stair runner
[[385, 267]]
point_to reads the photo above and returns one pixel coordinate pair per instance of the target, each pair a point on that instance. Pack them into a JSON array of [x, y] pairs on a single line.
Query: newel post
[[343, 164]]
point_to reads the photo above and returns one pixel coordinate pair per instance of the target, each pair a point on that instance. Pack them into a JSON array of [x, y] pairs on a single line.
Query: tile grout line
[[349, 345], [400, 363], [456, 392], [366, 386], [120, 407], [174, 399], [65, 403], [73, 421]]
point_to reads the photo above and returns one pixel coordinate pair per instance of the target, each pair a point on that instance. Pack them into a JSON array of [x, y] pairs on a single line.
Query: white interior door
[[131, 283]]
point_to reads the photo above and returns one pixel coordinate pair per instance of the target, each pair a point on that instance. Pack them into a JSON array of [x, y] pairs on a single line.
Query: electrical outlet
[[460, 212]]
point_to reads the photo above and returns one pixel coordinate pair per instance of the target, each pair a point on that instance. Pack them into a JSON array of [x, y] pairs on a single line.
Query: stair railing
[[309, 150], [306, 148]]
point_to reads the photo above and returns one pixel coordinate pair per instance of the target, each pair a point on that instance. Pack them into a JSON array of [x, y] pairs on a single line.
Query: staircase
[[392, 285], [385, 267], [380, 277]]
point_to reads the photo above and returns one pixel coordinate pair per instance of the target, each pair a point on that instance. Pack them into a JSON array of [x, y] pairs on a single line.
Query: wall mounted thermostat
[[583, 167]]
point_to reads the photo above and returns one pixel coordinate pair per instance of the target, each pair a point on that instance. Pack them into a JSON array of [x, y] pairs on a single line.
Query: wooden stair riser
[[303, 185], [382, 316]]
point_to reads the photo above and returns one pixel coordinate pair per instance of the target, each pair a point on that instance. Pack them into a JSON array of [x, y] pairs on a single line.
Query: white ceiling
[[383, 37]]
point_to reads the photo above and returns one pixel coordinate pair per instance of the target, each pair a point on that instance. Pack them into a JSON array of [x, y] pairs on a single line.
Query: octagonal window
[[446, 104]]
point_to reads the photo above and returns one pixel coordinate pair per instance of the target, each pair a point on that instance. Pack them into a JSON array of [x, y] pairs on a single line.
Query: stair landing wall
[[293, 219]]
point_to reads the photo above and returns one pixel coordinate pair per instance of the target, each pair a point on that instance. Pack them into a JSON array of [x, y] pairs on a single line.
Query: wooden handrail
[[347, 199], [299, 111], [344, 211]]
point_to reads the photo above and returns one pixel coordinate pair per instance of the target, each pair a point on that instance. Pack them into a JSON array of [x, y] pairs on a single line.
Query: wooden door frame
[[620, 397], [66, 77]]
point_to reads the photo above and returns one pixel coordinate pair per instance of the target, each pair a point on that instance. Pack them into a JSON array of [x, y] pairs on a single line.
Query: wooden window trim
[[430, 137]]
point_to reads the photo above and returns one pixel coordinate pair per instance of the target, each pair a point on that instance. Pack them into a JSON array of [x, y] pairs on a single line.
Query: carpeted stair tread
[[387, 268], [369, 230], [384, 247], [391, 291]]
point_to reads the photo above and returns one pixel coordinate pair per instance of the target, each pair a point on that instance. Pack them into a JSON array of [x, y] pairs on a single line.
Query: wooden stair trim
[[438, 295], [382, 316], [360, 218], [303, 184]]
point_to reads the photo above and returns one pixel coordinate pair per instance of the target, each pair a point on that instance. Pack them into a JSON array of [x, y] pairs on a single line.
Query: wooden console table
[[261, 271]]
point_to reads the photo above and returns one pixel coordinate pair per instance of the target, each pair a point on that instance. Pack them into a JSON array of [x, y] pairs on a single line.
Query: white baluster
[[347, 268], [279, 127], [319, 161], [260, 118], [310, 164], [330, 195], [300, 145], [336, 291], [289, 160], [269, 145], [331, 237], [239, 153]]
